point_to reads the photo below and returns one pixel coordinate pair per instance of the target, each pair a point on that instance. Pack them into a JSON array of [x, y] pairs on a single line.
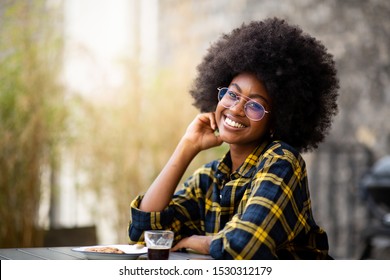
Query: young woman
[[270, 92]]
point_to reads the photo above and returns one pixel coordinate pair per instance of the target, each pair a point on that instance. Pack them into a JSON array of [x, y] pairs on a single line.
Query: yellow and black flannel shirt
[[260, 211]]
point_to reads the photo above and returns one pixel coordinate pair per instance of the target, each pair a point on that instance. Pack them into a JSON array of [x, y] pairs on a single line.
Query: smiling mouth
[[234, 124]]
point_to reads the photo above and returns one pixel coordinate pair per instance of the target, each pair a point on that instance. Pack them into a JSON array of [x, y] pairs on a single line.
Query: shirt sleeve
[[274, 214], [183, 215]]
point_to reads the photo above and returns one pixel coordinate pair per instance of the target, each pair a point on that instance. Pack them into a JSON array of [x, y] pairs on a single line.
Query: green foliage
[[32, 116], [116, 149]]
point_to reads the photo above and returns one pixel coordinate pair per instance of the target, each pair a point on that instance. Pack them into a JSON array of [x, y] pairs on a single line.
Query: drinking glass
[[159, 243]]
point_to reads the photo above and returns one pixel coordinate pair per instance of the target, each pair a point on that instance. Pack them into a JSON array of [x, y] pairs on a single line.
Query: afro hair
[[296, 69]]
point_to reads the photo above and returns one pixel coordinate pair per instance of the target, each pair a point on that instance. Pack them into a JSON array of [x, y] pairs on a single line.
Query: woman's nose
[[239, 107]]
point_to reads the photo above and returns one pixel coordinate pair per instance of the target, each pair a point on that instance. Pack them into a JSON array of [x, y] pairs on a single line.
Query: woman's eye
[[232, 95], [254, 105]]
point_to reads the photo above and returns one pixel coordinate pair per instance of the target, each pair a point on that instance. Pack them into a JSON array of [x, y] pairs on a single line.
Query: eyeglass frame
[[238, 100]]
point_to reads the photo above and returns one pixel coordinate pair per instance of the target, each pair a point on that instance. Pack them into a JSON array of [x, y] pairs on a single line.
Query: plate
[[131, 252]]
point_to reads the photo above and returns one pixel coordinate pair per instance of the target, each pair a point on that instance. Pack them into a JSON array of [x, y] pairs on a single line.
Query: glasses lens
[[255, 111], [221, 93], [227, 97]]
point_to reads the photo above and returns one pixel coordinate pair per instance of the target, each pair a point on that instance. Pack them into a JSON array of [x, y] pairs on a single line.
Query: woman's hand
[[198, 243], [201, 132]]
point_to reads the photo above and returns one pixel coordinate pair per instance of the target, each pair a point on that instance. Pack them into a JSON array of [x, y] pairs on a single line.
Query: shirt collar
[[247, 168]]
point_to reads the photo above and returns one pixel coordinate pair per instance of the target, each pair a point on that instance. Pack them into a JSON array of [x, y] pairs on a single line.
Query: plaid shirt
[[260, 211]]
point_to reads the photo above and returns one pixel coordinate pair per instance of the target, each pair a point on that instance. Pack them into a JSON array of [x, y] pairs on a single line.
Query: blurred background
[[94, 97]]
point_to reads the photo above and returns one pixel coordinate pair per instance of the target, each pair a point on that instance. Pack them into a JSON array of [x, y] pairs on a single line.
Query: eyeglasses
[[253, 110]]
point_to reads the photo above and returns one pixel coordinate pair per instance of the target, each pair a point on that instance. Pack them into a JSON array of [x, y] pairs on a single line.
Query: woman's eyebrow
[[252, 95], [237, 86]]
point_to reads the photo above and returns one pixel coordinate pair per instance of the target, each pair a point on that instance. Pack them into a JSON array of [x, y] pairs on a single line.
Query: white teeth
[[233, 123]]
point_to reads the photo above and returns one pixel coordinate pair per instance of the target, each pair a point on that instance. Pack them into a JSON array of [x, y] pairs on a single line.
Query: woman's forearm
[[160, 192]]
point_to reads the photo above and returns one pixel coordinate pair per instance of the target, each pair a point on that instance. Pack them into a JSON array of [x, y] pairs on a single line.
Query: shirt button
[[220, 196]]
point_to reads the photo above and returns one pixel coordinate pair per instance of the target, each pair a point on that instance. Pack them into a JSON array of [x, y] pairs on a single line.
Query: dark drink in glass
[[158, 253]]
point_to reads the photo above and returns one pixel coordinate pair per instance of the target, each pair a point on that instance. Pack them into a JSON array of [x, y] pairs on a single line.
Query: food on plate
[[138, 246], [110, 250]]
